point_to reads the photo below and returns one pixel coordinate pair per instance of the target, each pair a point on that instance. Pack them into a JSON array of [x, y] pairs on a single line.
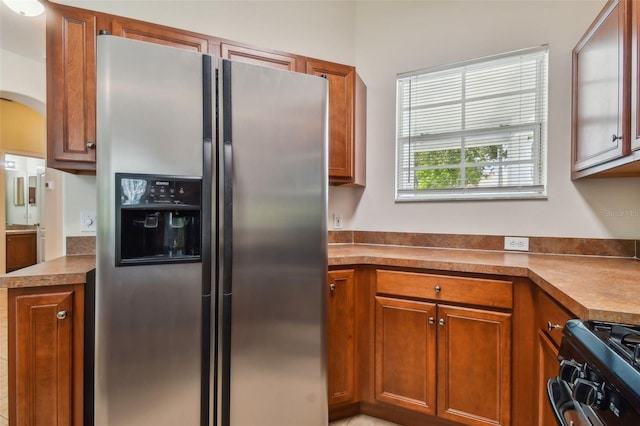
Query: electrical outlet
[[516, 243], [337, 221]]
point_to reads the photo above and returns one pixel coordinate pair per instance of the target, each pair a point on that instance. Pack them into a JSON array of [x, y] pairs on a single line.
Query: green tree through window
[[442, 178]]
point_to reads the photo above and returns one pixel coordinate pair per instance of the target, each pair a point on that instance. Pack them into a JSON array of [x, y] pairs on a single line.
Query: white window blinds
[[473, 130]]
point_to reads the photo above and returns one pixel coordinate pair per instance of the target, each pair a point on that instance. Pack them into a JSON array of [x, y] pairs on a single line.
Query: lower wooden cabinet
[[22, 250], [405, 354], [474, 366], [46, 342], [550, 319], [547, 367], [443, 360], [341, 382]]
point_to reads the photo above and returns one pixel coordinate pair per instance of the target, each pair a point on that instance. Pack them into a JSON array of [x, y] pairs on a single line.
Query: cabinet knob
[[615, 137], [551, 326], [332, 287], [61, 315], [441, 321], [432, 320], [438, 289], [91, 145], [9, 239]]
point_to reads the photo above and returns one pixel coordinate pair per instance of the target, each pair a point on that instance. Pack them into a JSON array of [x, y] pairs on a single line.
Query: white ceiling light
[[25, 7]]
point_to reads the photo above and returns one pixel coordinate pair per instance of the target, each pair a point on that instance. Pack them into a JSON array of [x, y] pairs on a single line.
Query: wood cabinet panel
[[551, 317], [21, 250], [158, 34], [405, 361], [474, 366], [341, 337], [261, 57], [474, 291], [45, 356], [547, 367], [347, 103], [598, 90], [635, 75], [71, 88]]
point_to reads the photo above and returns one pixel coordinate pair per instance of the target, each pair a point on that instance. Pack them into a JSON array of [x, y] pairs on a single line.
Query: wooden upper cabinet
[[635, 75], [71, 88], [347, 111], [152, 33], [598, 90], [603, 138], [262, 57]]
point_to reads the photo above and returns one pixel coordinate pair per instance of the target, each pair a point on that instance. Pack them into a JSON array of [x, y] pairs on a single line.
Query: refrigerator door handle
[[227, 230]]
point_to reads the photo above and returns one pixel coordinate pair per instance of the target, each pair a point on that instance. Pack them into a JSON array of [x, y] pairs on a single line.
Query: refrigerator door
[[273, 256], [148, 318]]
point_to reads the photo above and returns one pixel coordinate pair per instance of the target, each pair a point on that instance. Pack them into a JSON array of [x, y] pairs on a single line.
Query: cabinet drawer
[[551, 317], [474, 291]]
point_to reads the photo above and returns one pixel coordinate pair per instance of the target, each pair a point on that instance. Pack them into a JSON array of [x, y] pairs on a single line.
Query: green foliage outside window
[[451, 177]]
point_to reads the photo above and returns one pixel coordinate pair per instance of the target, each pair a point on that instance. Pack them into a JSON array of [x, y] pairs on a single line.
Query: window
[[473, 130]]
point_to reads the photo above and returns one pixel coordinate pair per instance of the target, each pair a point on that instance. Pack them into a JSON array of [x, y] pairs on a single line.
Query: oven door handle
[[560, 398]]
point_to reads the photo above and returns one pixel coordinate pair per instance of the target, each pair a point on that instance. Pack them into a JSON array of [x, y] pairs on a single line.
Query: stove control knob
[[570, 370], [588, 392]]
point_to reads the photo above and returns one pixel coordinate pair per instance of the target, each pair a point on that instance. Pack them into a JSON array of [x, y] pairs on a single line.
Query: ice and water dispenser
[[157, 219]]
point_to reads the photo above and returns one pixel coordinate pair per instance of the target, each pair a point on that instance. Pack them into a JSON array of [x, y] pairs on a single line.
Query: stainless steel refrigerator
[[211, 241]]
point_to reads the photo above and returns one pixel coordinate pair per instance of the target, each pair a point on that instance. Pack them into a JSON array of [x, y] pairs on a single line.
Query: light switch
[[88, 221]]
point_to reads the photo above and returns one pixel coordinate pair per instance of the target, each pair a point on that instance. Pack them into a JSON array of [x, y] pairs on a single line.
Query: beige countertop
[[597, 288], [20, 231], [60, 271]]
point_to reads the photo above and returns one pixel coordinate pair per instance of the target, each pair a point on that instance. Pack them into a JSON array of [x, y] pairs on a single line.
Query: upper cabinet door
[[635, 75], [601, 90], [152, 33], [71, 88], [347, 98], [262, 57]]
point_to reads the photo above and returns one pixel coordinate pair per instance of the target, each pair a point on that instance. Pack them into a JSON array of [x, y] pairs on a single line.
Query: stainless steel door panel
[[148, 318], [279, 269]]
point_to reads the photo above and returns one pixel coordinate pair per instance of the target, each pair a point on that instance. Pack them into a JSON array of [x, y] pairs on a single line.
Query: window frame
[[405, 167]]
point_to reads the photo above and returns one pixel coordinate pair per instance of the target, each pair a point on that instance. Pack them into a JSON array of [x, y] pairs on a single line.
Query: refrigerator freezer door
[[274, 136], [148, 318]]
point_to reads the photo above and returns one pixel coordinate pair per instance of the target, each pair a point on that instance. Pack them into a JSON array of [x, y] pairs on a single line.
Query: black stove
[[599, 379]]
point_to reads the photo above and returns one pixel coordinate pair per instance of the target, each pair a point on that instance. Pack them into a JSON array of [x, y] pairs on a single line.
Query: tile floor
[[4, 398], [4, 407], [362, 420]]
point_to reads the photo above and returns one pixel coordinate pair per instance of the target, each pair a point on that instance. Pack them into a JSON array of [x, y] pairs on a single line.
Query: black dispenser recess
[[157, 219]]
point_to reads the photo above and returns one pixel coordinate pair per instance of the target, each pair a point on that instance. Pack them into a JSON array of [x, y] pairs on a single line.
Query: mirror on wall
[[22, 188]]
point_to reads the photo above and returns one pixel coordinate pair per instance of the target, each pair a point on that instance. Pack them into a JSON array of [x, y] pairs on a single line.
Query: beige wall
[[383, 38], [22, 130], [395, 36], [24, 80]]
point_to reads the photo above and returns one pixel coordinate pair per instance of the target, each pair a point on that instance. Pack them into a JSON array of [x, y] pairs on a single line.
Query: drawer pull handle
[[438, 289], [441, 321], [551, 326], [432, 320], [332, 287], [61, 315]]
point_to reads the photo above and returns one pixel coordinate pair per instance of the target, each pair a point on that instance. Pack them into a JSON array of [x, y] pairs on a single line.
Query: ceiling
[[22, 35]]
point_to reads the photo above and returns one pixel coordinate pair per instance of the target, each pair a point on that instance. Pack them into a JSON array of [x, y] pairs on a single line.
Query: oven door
[[567, 410]]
